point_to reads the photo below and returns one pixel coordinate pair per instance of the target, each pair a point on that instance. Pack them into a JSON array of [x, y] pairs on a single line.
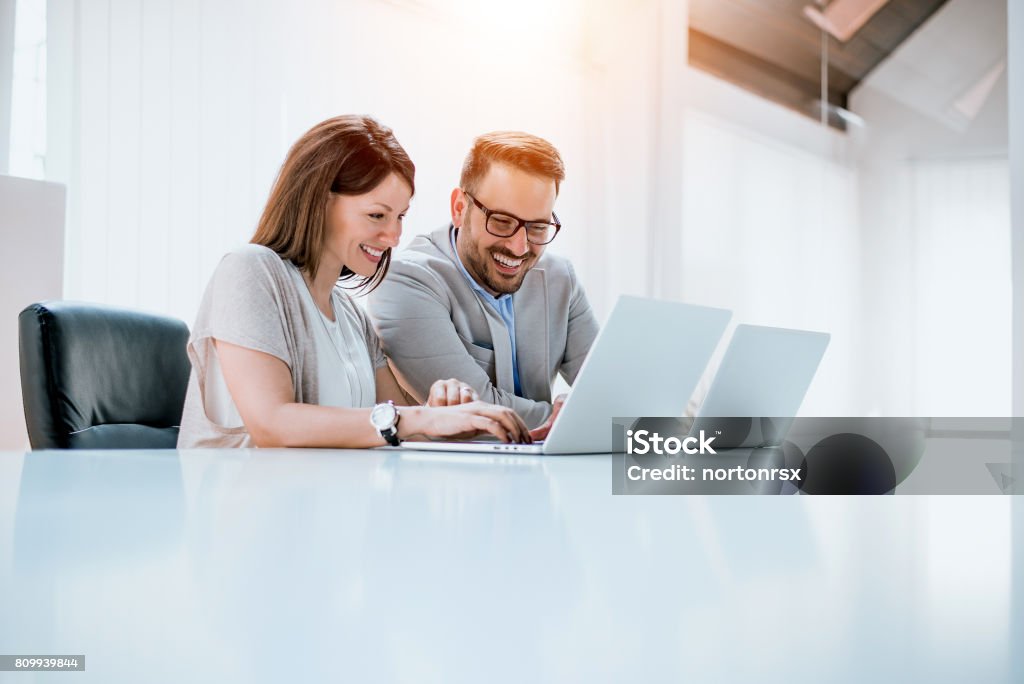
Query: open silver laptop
[[760, 385], [646, 361]]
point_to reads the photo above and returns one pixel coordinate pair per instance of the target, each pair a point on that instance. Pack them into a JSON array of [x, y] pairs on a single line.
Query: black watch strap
[[390, 434]]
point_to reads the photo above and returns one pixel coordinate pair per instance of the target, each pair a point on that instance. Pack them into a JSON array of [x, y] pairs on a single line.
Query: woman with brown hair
[[281, 355]]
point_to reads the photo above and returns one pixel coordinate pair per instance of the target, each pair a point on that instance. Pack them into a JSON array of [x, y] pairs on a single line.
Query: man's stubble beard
[[480, 261]]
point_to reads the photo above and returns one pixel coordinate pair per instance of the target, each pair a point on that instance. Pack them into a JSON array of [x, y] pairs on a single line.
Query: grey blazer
[[434, 326]]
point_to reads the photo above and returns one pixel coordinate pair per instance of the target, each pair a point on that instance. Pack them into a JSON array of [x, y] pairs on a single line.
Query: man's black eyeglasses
[[506, 225]]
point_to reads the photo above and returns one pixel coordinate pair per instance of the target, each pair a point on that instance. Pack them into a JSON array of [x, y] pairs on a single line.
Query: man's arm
[[414, 323], [581, 333]]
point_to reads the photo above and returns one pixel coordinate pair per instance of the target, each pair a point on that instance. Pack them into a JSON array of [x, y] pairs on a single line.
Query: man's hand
[[450, 392], [541, 432]]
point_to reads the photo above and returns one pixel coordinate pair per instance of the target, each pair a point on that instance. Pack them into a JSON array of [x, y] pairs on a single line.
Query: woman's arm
[[261, 387]]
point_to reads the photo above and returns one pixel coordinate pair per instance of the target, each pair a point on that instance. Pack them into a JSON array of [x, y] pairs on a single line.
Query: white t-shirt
[[344, 373]]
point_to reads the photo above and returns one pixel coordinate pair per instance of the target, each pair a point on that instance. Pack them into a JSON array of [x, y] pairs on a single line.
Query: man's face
[[496, 263]]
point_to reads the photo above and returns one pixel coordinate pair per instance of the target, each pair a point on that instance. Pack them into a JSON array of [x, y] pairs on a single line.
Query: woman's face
[[361, 227]]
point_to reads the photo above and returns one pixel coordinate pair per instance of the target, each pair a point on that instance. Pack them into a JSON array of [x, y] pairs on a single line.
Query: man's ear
[[458, 207]]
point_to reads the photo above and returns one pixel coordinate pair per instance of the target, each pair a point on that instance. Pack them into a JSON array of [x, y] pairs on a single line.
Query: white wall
[[170, 119], [770, 227], [6, 70], [935, 223], [182, 112], [26, 152]]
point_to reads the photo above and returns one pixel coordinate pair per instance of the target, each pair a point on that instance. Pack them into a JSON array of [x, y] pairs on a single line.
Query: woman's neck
[[321, 285]]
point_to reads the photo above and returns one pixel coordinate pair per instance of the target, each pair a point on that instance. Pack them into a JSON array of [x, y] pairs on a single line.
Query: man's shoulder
[[423, 260], [422, 250], [558, 272], [555, 263]]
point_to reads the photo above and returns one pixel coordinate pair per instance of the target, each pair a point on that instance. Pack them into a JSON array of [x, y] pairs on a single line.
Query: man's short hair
[[522, 151]]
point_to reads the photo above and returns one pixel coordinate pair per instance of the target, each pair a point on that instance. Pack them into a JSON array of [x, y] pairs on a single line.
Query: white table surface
[[314, 566]]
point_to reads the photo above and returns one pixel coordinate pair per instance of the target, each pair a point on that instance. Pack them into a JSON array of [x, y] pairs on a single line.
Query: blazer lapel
[[531, 307], [502, 348], [502, 345]]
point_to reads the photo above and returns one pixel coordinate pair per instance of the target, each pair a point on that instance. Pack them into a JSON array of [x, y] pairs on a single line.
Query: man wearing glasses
[[479, 300]]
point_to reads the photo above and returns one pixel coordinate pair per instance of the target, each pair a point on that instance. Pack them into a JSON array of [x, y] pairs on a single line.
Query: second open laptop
[[646, 361], [760, 385]]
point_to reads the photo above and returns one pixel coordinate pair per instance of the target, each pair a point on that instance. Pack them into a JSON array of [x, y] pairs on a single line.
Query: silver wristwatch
[[385, 417]]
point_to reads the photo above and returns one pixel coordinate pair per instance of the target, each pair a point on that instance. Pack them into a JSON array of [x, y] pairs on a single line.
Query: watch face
[[383, 416]]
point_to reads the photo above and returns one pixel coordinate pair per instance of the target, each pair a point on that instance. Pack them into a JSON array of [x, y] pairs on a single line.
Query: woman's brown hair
[[346, 155]]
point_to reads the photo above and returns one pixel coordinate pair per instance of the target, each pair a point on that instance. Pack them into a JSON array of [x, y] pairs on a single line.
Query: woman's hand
[[463, 421], [450, 392]]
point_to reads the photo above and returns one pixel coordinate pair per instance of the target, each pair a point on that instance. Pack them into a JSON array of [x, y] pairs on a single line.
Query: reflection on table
[[317, 565]]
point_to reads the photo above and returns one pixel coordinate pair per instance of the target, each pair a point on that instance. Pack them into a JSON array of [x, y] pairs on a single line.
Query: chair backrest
[[97, 377]]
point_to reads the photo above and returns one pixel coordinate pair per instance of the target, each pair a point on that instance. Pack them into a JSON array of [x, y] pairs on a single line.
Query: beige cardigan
[[253, 301]]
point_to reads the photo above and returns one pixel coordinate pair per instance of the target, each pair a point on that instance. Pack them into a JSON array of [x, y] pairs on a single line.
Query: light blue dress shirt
[[502, 305]]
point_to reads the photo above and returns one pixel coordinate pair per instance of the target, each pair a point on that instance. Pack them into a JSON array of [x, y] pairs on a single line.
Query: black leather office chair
[[96, 377]]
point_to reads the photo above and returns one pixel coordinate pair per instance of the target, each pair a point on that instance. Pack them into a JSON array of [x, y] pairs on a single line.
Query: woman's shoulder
[[253, 261], [248, 285], [252, 272], [255, 255]]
